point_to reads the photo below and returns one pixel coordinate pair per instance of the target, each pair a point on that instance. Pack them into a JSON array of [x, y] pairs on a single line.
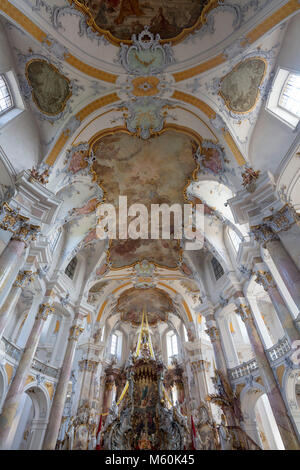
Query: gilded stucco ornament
[[144, 275], [280, 221], [250, 177], [212, 160], [12, 221], [119, 20], [23, 278]]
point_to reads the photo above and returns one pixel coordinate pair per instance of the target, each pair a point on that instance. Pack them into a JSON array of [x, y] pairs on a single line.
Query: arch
[[291, 380], [259, 421], [30, 432]]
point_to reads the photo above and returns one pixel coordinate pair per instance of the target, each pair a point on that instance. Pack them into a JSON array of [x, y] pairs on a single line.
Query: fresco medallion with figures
[[120, 19]]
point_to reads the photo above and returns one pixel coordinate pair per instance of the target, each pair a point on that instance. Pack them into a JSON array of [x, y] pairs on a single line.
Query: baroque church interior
[[131, 343]]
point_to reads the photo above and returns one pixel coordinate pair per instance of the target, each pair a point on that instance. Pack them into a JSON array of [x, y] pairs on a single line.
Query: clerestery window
[[284, 99], [290, 95], [235, 239], [6, 100]]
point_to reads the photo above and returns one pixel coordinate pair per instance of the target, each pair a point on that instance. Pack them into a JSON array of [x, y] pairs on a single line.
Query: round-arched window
[[6, 101], [290, 95]]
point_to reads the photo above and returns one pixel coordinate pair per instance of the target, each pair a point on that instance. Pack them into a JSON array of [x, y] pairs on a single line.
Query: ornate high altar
[[144, 420]]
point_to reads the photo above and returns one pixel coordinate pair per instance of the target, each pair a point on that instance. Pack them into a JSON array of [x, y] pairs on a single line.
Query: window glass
[[290, 96], [70, 269], [218, 270], [113, 344], [235, 239], [6, 101]]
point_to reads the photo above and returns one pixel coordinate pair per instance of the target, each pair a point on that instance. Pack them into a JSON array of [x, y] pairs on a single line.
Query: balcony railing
[[45, 369], [15, 352], [12, 350], [279, 350], [244, 369]]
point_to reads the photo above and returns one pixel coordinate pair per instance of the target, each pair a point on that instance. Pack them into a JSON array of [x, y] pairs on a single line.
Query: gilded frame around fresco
[[194, 177], [226, 101], [64, 103], [211, 5]]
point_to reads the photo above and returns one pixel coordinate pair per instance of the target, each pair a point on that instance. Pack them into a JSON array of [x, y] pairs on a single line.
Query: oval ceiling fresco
[[50, 89], [240, 88], [149, 172], [120, 19]]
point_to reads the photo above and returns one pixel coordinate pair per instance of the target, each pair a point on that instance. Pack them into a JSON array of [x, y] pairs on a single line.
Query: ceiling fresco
[[155, 301], [240, 88], [191, 76], [153, 172], [50, 89], [165, 253], [123, 18]]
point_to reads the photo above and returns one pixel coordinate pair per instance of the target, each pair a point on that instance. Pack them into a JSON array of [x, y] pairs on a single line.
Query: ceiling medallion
[[118, 20]]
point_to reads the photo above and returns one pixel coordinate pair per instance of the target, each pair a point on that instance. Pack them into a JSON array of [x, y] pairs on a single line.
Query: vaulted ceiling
[[155, 101]]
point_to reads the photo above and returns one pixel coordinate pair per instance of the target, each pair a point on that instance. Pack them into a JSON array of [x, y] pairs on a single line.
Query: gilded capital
[[14, 222], [244, 311], [213, 333], [265, 279], [44, 311], [75, 332], [9, 218], [26, 233], [283, 219], [263, 234], [23, 278]]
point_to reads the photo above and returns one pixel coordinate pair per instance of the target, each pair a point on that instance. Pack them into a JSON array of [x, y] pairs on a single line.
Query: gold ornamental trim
[[80, 5]]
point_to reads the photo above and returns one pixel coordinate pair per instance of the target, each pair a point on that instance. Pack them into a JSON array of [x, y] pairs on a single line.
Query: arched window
[[218, 270], [185, 335], [6, 101], [53, 239], [284, 98], [172, 345], [235, 239], [290, 95], [113, 344], [70, 269], [102, 334]]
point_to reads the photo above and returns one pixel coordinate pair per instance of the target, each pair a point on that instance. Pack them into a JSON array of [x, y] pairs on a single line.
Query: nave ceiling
[[167, 120]]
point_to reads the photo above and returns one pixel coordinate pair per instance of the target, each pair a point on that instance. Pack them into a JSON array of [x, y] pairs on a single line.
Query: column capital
[[10, 218], [88, 364], [12, 221], [282, 219], [26, 233], [23, 278], [243, 309], [44, 310], [200, 365], [263, 234], [275, 223], [213, 333], [75, 332], [265, 279]]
